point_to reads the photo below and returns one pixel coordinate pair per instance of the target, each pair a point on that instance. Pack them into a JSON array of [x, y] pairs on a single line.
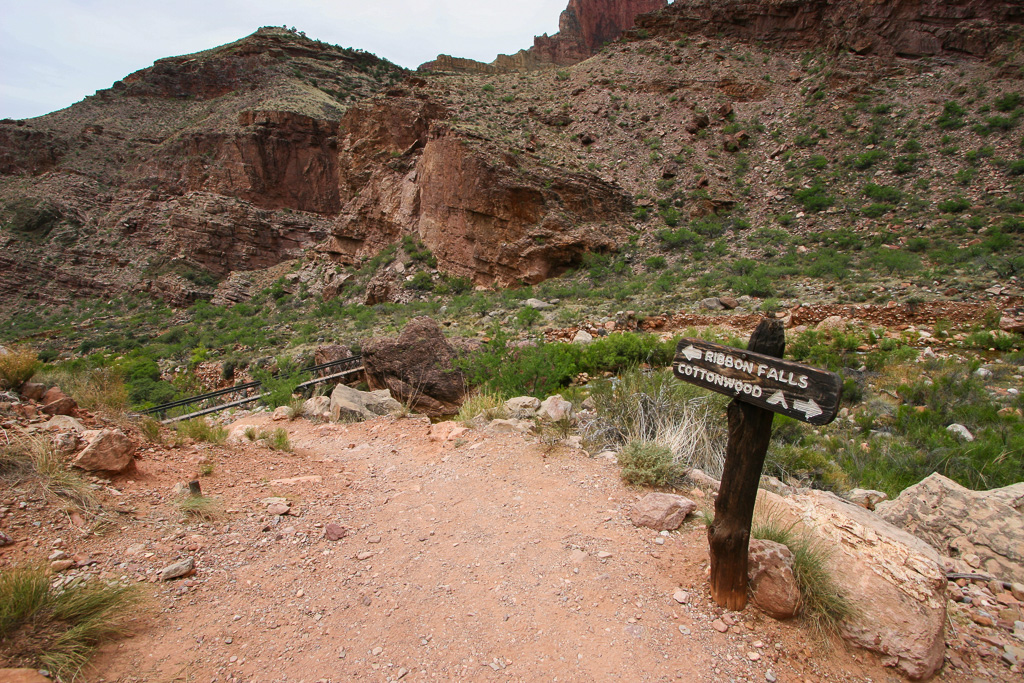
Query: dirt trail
[[489, 558]]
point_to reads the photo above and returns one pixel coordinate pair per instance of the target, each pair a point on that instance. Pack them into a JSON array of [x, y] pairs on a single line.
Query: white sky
[[53, 53]]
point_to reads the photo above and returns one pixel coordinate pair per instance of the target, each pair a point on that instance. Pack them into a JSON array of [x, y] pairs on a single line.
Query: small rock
[[960, 431], [604, 555], [522, 407], [556, 408], [538, 304], [109, 450], [866, 498], [64, 406], [753, 656], [364, 555], [681, 596], [278, 509], [662, 511], [281, 413], [712, 303], [582, 337], [719, 626], [62, 565], [769, 676], [685, 631], [5, 539], [185, 567], [335, 532]]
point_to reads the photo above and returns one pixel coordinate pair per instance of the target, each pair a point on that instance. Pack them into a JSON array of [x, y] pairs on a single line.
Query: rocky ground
[[482, 556]]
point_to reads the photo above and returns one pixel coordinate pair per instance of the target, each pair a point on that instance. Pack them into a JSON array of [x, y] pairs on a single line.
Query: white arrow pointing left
[[808, 408], [691, 353]]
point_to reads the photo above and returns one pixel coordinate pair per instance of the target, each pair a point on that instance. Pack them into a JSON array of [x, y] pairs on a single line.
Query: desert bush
[[646, 463], [17, 367], [34, 459], [203, 508], [58, 629], [199, 429], [279, 387], [481, 402]]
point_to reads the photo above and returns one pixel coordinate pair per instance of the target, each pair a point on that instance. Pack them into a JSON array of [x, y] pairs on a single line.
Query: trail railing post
[[761, 384]]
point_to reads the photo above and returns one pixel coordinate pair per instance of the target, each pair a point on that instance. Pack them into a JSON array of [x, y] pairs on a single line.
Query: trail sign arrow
[[691, 353], [808, 408], [793, 389]]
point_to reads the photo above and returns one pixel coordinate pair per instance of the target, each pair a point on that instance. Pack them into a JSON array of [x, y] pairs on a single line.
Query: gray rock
[[64, 423], [177, 570], [866, 498], [556, 408], [5, 539], [582, 337], [959, 522], [317, 408], [712, 303], [960, 431], [522, 407], [538, 304], [509, 427], [349, 403]]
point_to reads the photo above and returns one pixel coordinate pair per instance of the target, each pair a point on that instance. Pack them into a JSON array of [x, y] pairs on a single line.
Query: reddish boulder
[[62, 406], [33, 390], [772, 583], [417, 368], [662, 511], [109, 450]]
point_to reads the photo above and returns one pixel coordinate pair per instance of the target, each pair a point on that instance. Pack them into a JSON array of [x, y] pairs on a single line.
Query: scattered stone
[[281, 413], [753, 656], [62, 565], [772, 583], [445, 431], [681, 596], [831, 323], [538, 304], [866, 498], [685, 631], [500, 426], [769, 676], [5, 539], [984, 526], [52, 394], [582, 337], [662, 511], [960, 431], [555, 408], [186, 567], [983, 373], [712, 303], [33, 391], [335, 532], [522, 407], [64, 423], [728, 302], [364, 555], [719, 626], [109, 450], [278, 509], [63, 406], [348, 403], [604, 555], [317, 408]]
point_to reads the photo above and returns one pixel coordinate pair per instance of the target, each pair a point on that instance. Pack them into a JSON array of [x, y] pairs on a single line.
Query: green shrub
[[280, 386], [876, 210], [198, 429], [814, 198], [954, 205], [678, 239], [421, 281], [656, 263], [883, 193], [645, 463], [866, 159], [951, 117], [1008, 102]]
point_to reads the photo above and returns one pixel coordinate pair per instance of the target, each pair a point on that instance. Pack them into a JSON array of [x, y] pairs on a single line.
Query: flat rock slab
[[662, 511], [185, 567]]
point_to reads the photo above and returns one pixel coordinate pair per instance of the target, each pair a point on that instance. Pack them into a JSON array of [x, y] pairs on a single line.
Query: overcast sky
[[55, 52]]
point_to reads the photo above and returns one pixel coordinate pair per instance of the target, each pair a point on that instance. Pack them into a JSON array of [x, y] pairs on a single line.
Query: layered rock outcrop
[[584, 27], [907, 28]]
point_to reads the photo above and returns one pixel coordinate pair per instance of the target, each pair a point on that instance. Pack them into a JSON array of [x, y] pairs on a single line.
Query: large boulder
[[109, 450], [773, 585], [351, 404], [894, 581], [417, 368], [983, 528]]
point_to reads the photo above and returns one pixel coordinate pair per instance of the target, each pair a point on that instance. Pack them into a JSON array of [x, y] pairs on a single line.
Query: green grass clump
[[198, 429], [646, 463], [204, 508], [59, 628], [823, 606], [488, 404]]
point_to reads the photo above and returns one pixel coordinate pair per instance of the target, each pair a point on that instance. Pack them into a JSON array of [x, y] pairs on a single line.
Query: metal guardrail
[[247, 387]]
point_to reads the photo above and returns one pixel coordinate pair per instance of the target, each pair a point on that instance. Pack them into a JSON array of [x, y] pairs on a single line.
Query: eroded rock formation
[[584, 27], [907, 28]]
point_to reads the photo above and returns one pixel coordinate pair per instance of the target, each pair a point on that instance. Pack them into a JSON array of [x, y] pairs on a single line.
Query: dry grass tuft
[[481, 402], [59, 628], [17, 366], [34, 459]]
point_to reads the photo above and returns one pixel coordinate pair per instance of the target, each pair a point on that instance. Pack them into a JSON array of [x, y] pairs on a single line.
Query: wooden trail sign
[[761, 384], [793, 389]]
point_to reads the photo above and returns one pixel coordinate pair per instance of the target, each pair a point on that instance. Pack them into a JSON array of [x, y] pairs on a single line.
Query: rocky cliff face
[[907, 28], [583, 28], [255, 167]]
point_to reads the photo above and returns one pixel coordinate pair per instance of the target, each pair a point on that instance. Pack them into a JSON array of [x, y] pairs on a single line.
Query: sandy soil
[[492, 557]]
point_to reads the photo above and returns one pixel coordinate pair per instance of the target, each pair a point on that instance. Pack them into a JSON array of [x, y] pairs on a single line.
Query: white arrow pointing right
[[691, 353], [808, 408], [778, 399]]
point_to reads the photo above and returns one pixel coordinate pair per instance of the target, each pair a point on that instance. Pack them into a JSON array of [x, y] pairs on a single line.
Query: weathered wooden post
[[761, 384]]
